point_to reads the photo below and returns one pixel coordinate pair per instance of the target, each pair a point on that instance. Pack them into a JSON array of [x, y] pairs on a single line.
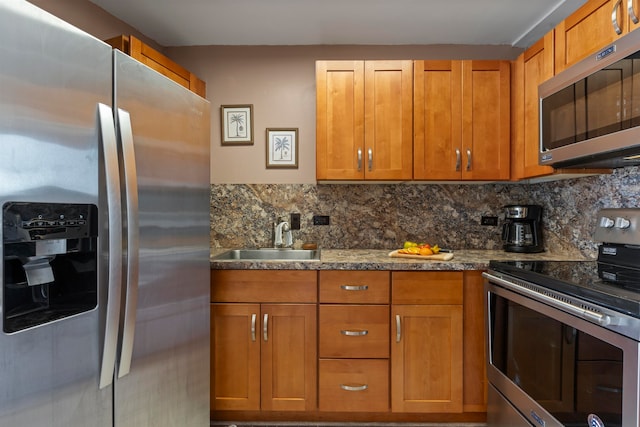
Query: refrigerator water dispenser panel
[[50, 262]]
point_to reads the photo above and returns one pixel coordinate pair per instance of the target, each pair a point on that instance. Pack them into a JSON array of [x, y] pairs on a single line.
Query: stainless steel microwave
[[590, 113]]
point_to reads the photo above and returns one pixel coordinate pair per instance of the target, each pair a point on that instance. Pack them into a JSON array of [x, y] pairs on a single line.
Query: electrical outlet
[[295, 221], [321, 220], [489, 220]]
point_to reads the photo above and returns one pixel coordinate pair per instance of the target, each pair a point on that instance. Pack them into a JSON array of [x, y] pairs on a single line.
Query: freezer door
[[52, 77], [163, 371]]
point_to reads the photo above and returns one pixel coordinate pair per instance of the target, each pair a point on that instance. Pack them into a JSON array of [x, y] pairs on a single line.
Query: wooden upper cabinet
[[587, 30], [339, 119], [144, 53], [364, 115], [533, 66], [462, 120], [437, 119]]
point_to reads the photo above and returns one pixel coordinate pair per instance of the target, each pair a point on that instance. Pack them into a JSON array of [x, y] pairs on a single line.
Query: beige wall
[[280, 83], [278, 80]]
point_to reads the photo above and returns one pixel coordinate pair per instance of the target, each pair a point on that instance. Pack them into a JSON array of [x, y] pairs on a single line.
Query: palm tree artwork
[[238, 120], [283, 145]]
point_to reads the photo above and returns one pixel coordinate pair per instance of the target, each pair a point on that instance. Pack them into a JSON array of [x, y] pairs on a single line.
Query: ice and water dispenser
[[50, 262]]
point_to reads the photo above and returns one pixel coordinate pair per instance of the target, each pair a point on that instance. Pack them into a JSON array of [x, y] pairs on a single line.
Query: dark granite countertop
[[378, 259]]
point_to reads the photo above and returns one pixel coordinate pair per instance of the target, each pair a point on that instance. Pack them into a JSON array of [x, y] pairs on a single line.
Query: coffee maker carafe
[[521, 231]]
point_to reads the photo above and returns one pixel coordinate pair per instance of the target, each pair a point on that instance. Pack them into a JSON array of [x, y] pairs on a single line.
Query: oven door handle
[[590, 315]]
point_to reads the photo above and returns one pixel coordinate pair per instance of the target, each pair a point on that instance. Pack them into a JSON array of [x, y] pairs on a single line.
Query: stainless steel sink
[[270, 254]]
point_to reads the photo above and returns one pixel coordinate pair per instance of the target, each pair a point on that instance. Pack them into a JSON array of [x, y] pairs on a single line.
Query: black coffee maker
[[521, 231]]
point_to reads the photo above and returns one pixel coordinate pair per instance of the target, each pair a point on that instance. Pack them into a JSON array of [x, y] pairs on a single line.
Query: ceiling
[[518, 23]]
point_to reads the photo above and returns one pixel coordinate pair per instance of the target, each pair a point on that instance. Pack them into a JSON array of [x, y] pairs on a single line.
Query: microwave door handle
[[614, 17], [114, 214], [631, 12], [125, 133]]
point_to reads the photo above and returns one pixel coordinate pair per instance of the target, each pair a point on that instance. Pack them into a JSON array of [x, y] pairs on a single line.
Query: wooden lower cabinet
[[264, 355], [427, 348], [348, 346]]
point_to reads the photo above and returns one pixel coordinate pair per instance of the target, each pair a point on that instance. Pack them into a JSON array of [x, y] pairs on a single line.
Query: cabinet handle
[[606, 389], [354, 287], [354, 333], [468, 159], [458, 159], [370, 159], [265, 327], [631, 12], [398, 328], [253, 327], [614, 17], [359, 159], [347, 387]]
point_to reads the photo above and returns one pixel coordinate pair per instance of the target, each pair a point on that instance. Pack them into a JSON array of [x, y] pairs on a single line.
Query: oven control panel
[[618, 225]]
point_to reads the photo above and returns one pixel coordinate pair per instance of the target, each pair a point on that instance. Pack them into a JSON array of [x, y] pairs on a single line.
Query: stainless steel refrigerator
[[104, 190]]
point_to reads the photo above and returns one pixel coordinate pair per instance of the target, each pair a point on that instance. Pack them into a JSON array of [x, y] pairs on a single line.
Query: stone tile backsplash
[[382, 216]]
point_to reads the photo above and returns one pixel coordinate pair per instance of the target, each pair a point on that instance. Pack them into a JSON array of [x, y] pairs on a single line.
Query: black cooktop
[[611, 286]]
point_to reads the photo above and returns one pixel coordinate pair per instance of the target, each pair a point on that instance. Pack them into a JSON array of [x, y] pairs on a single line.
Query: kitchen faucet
[[281, 228]]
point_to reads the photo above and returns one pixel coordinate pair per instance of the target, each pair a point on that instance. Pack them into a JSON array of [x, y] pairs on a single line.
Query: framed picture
[[236, 124], [282, 148]]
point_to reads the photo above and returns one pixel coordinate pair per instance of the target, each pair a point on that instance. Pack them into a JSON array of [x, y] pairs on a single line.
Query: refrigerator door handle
[[114, 213], [125, 133]]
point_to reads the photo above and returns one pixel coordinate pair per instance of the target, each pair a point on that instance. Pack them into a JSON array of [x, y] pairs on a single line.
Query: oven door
[[555, 368]]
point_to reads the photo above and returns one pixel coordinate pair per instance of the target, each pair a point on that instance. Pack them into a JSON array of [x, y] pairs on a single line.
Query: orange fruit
[[426, 251]]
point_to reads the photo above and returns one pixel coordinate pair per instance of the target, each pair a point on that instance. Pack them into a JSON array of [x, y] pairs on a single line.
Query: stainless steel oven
[[563, 337]]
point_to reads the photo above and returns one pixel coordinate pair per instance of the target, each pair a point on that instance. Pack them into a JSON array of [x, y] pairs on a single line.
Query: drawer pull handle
[[348, 387], [398, 328], [606, 389], [354, 333], [354, 287], [253, 327]]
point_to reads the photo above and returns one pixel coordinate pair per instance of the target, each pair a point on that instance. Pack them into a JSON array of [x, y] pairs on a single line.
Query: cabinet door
[[586, 30], [388, 112], [235, 357], [289, 357], [531, 68], [340, 120], [426, 358], [486, 120], [437, 120]]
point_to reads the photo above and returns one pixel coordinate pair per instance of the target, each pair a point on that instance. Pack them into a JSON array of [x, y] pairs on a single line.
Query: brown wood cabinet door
[[586, 30], [235, 357], [340, 120], [289, 357], [486, 120], [388, 112], [426, 358], [532, 67], [437, 120]]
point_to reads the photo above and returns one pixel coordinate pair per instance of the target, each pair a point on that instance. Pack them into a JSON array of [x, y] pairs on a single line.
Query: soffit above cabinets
[[517, 23]]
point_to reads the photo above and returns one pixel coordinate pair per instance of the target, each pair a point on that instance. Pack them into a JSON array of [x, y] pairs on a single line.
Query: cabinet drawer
[[359, 385], [354, 331], [426, 287], [354, 287], [264, 286]]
